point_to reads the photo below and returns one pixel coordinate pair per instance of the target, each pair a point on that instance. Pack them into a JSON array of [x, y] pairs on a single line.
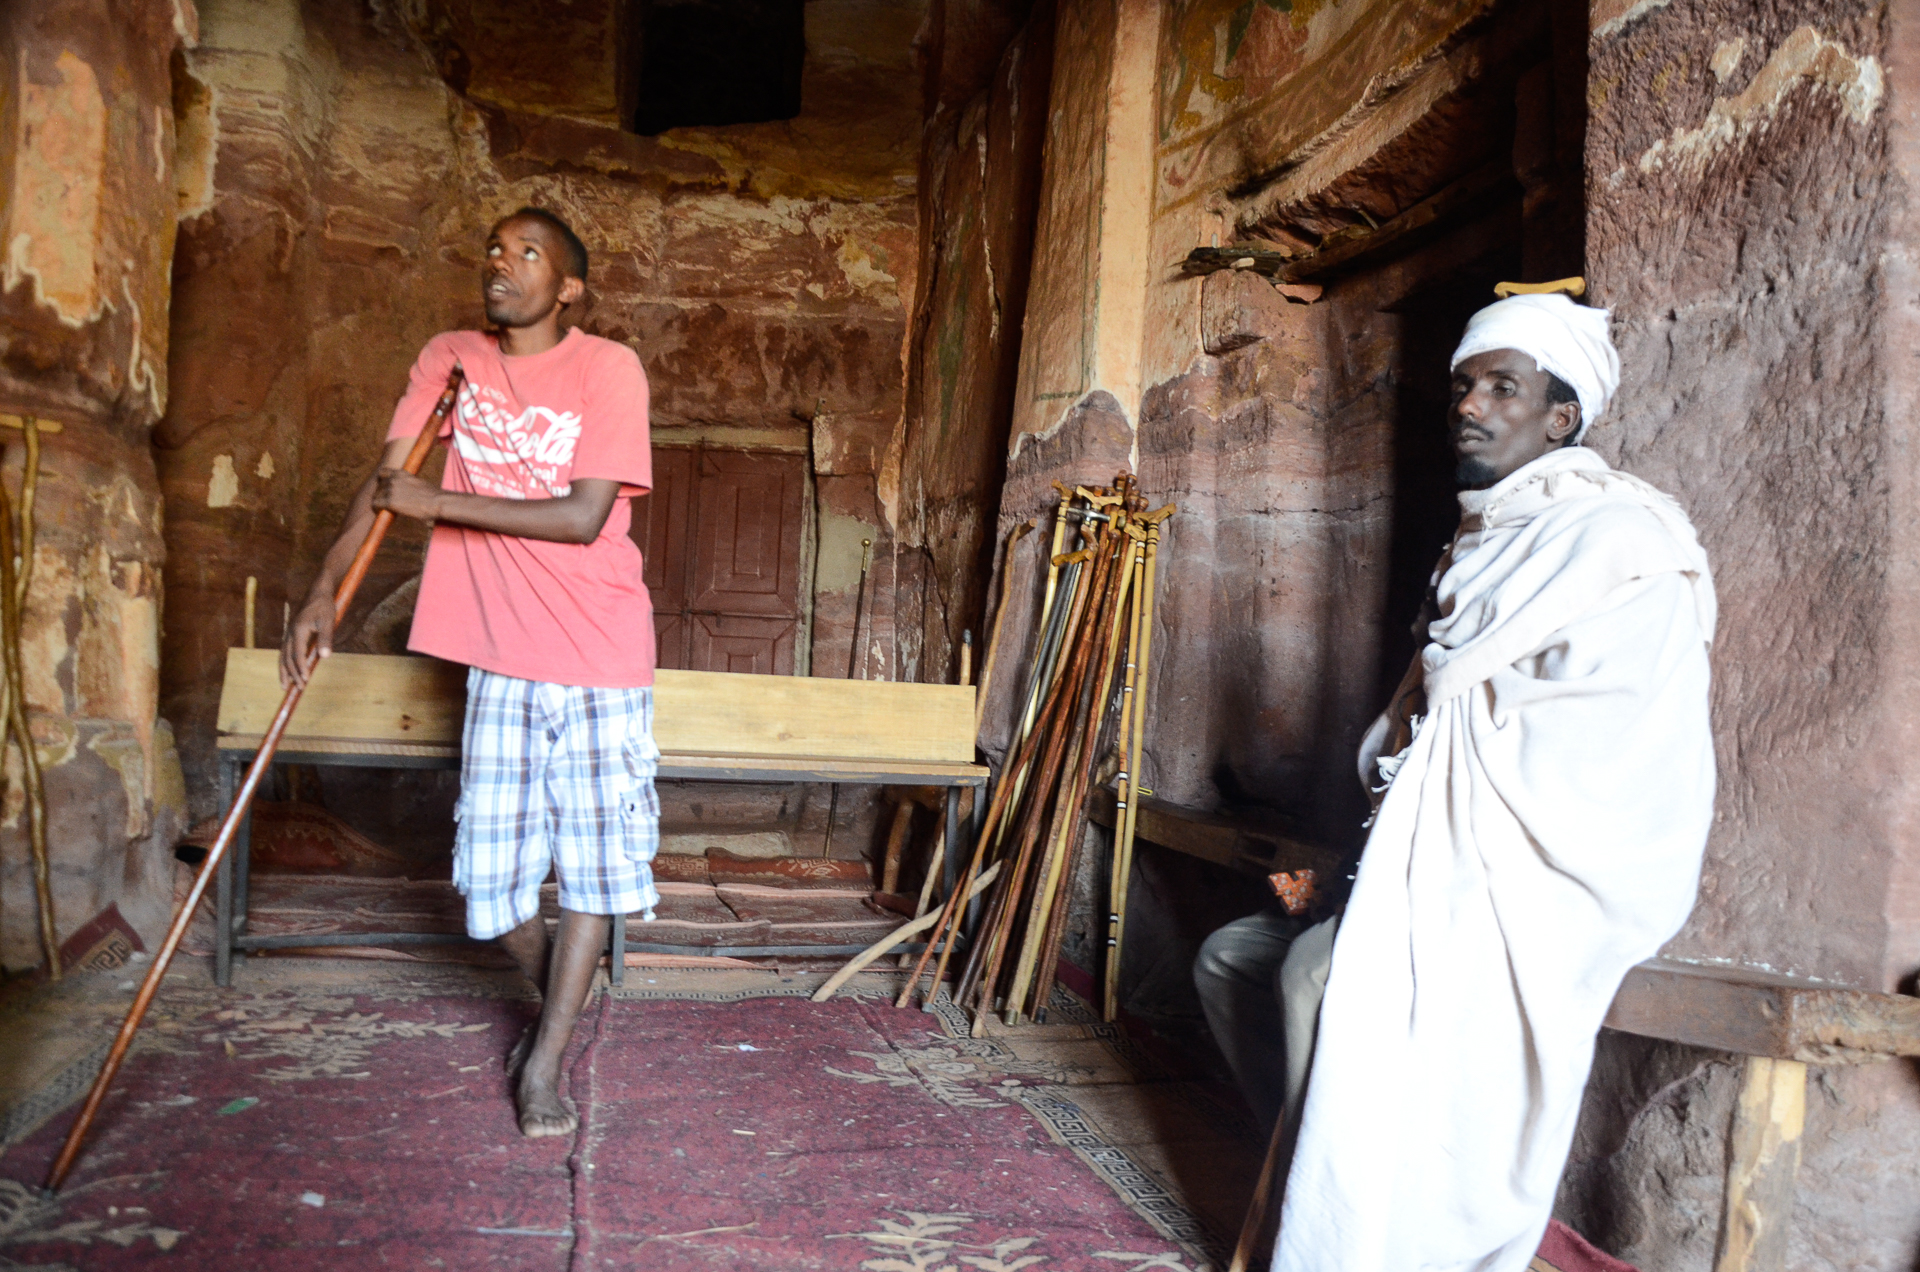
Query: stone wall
[[1749, 224], [989, 74], [357, 154], [87, 198]]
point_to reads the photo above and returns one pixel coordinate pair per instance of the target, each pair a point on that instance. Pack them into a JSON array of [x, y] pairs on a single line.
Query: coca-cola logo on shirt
[[520, 456]]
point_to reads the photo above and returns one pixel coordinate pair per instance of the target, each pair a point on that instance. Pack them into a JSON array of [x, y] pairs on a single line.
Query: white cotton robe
[[1542, 834]]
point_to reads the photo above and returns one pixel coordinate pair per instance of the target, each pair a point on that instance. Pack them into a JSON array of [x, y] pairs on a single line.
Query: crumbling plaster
[[86, 170]]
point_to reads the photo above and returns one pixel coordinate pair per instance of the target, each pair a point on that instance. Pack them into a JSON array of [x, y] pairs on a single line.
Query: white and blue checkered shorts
[[560, 777]]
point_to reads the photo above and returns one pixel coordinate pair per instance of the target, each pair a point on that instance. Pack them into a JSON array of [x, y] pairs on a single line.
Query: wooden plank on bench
[[1761, 1014], [804, 717], [372, 704], [352, 698]]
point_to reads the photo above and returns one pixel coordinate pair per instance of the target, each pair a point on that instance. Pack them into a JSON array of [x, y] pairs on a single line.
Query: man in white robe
[[1548, 778]]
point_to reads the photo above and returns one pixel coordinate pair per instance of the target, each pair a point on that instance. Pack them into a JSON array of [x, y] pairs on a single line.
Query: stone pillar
[[86, 247]]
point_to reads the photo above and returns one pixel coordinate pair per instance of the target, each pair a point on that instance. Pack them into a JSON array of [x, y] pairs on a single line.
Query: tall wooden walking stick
[[1123, 841], [1124, 780], [342, 598], [1259, 1210]]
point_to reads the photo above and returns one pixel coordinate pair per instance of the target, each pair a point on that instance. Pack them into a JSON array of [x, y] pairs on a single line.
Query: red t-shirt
[[526, 428]]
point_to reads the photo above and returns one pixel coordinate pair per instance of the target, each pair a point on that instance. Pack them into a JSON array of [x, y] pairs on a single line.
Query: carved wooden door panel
[[721, 538]]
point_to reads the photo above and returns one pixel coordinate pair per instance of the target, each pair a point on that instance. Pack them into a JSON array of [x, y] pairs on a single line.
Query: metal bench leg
[[617, 951], [950, 868], [242, 857], [223, 892], [972, 922]]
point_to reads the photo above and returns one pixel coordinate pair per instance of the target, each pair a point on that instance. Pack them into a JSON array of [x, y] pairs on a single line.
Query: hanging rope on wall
[[16, 573]]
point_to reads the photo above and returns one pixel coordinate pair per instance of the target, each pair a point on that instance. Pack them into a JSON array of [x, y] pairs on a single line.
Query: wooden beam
[[1760, 1014], [1350, 250]]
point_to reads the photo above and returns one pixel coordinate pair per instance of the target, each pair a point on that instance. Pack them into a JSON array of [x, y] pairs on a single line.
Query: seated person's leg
[[1298, 984], [1235, 974]]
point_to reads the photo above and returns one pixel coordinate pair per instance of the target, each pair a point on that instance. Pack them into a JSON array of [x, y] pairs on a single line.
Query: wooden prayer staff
[[1096, 594], [342, 598], [1127, 812]]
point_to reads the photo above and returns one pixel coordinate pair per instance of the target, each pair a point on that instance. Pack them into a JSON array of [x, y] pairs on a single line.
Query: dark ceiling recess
[[706, 62]]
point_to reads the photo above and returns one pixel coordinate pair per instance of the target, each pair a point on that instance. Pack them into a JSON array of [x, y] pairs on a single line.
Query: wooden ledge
[[1761, 1014], [1253, 847]]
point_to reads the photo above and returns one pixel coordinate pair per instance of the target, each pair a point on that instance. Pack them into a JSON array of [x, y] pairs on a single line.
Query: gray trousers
[[1260, 980]]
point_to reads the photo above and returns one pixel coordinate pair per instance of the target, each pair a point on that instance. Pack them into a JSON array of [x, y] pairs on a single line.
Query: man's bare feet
[[542, 1111]]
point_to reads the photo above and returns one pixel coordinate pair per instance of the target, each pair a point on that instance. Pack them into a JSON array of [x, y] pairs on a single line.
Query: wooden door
[[721, 539]]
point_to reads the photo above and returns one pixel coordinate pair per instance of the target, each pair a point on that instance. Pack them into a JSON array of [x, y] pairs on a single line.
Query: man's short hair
[[1559, 391], [576, 255]]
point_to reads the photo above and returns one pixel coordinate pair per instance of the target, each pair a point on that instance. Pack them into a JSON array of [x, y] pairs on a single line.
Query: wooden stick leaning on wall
[[989, 830], [16, 573], [1049, 598], [991, 933], [1123, 781], [342, 599], [1007, 795], [1123, 841], [1070, 806], [1129, 504], [1071, 683], [1055, 925]]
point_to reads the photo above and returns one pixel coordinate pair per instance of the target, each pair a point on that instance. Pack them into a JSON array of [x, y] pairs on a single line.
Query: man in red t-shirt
[[532, 581]]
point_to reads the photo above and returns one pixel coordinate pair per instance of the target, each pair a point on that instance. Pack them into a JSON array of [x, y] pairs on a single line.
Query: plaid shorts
[[554, 776]]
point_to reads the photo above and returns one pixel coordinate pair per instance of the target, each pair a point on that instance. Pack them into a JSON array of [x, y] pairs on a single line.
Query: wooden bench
[[393, 711]]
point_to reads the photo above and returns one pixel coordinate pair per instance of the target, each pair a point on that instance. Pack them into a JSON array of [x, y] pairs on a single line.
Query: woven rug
[[328, 1114]]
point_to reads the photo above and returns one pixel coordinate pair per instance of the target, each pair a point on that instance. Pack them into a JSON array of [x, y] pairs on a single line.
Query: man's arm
[[312, 624], [576, 517]]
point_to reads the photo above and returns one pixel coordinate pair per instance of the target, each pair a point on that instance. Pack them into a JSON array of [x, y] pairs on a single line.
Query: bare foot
[[542, 1111]]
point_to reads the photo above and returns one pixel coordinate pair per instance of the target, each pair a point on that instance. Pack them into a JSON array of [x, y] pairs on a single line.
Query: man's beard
[[1474, 473]]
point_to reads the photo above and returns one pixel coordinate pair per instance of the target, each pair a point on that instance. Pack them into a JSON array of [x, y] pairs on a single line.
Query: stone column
[[86, 249]]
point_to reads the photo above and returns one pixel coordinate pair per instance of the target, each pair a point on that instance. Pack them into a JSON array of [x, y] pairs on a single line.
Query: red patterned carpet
[[356, 1118]]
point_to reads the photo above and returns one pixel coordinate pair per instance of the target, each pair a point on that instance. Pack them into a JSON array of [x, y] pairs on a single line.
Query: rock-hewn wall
[[1749, 170], [980, 171], [359, 152], [87, 197], [1738, 163]]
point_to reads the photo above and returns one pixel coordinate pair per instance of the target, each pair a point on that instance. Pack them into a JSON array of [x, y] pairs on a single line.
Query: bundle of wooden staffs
[[1082, 702]]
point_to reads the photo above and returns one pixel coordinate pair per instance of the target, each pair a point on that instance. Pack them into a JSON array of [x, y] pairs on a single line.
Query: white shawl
[[1543, 833]]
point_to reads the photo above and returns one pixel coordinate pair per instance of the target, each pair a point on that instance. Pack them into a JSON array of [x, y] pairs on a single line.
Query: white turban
[[1562, 338]]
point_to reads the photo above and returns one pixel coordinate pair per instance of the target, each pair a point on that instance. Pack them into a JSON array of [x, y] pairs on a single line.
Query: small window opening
[[695, 63]]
